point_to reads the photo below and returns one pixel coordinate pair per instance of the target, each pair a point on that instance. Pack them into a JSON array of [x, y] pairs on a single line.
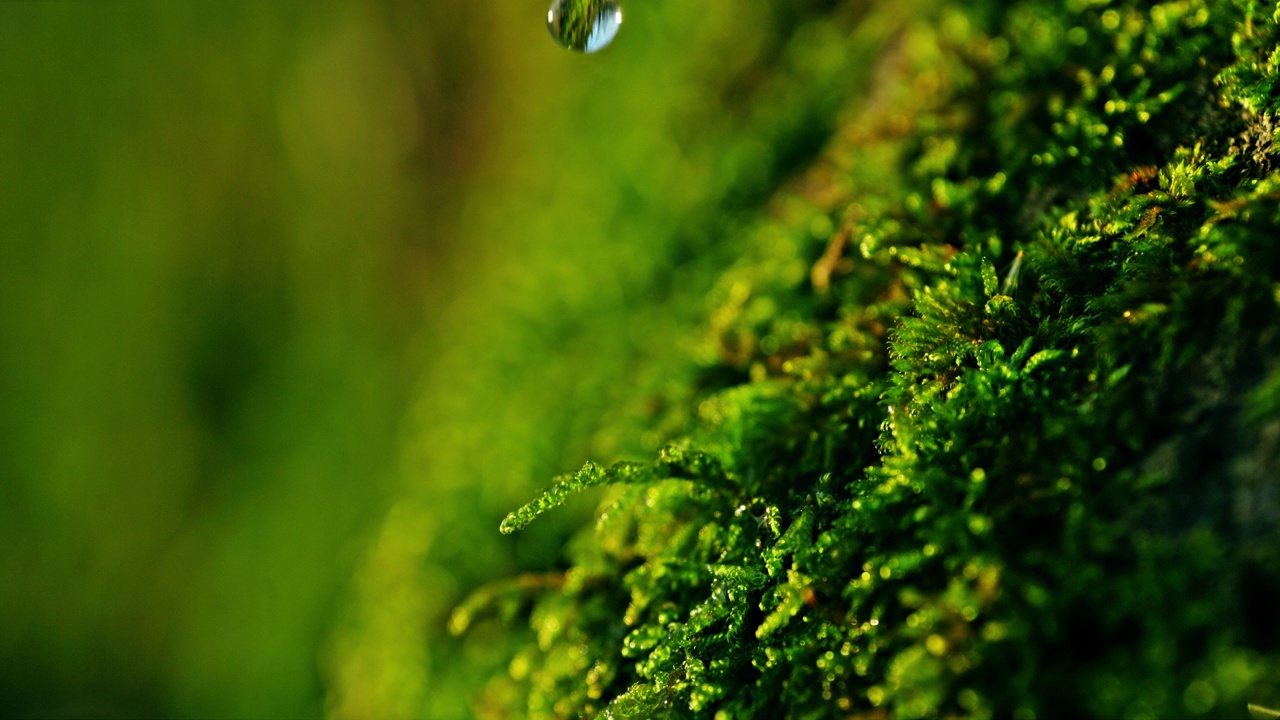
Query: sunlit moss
[[989, 458]]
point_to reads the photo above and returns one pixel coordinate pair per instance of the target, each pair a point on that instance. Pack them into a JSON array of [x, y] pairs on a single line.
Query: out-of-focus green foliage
[[986, 405], [214, 223]]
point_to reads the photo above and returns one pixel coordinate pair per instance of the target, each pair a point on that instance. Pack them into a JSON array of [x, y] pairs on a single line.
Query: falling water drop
[[584, 25]]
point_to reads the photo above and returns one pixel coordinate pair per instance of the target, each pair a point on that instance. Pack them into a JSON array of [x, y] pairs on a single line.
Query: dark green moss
[[993, 416]]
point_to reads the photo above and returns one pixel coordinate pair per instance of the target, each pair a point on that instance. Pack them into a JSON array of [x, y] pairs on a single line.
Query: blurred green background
[[298, 299]]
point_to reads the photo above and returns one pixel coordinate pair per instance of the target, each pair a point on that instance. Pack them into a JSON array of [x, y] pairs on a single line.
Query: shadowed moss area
[[980, 415]]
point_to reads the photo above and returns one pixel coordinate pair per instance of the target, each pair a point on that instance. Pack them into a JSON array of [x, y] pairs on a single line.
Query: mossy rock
[[988, 419]]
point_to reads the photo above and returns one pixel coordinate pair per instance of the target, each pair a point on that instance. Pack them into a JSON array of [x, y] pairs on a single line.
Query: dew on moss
[[584, 25]]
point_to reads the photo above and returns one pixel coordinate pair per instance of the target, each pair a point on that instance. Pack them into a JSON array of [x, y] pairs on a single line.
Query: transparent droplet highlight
[[584, 25]]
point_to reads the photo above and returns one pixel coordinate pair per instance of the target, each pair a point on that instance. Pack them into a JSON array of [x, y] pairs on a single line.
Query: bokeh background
[[298, 299]]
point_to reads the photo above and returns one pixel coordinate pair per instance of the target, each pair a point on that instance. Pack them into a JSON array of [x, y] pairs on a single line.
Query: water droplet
[[584, 25]]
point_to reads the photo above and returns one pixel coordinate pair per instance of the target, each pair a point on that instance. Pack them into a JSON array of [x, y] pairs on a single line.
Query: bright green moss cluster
[[990, 418]]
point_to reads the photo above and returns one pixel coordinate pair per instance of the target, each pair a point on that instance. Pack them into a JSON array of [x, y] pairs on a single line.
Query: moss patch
[[988, 415]]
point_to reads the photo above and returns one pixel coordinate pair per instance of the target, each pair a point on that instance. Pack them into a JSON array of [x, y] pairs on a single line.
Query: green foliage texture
[[984, 409]]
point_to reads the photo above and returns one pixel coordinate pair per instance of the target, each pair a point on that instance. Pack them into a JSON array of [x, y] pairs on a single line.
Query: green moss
[[990, 410]]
